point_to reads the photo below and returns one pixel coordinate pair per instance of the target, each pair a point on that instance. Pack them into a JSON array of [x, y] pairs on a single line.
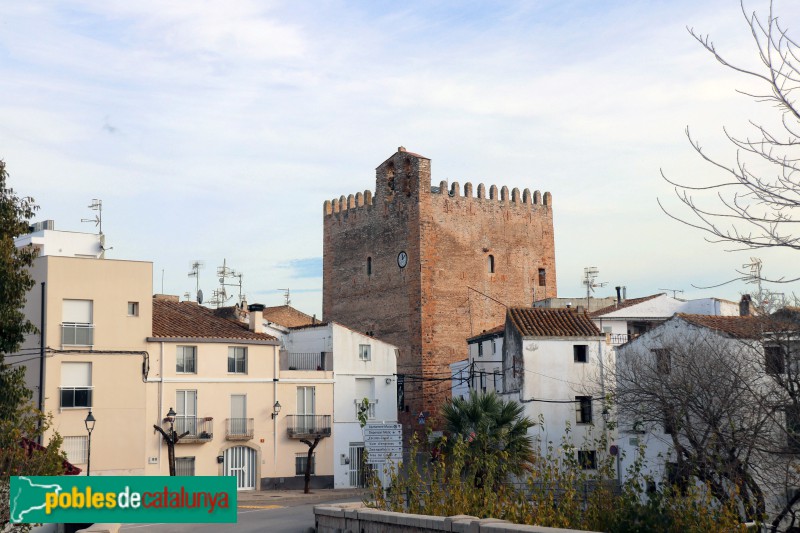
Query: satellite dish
[[199, 296]]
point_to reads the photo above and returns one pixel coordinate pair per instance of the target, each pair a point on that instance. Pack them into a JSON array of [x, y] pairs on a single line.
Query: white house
[[485, 360], [626, 318], [363, 367], [715, 348], [554, 362]]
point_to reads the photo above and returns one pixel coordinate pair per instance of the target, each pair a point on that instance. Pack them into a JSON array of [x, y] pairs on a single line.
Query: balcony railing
[[306, 361], [619, 338], [74, 334], [302, 426], [370, 408], [239, 428], [75, 397], [201, 429]]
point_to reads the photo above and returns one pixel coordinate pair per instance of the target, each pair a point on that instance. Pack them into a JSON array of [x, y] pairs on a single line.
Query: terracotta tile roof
[[740, 327], [189, 320], [287, 316], [488, 332], [551, 322], [622, 305]]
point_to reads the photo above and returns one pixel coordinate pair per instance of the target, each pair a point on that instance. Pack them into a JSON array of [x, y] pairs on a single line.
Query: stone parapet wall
[[356, 518]]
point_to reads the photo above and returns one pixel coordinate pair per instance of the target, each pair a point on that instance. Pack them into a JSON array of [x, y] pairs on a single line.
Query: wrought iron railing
[[619, 338], [300, 426], [200, 429], [74, 334], [308, 361], [239, 428]]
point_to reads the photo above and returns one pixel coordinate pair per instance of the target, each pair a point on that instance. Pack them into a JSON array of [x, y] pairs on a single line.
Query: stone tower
[[425, 267]]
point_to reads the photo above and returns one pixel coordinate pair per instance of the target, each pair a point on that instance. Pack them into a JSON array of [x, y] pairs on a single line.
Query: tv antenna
[[96, 205], [223, 273], [673, 291], [196, 266], [286, 298], [589, 280]]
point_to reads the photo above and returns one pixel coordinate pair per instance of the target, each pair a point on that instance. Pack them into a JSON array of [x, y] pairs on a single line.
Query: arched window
[[491, 264], [369, 266]]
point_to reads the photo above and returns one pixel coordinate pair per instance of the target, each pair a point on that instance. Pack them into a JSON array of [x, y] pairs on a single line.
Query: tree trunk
[[309, 457]]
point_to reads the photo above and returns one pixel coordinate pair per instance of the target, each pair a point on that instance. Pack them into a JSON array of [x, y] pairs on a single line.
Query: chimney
[[624, 293], [256, 318], [619, 294], [745, 304], [580, 309]]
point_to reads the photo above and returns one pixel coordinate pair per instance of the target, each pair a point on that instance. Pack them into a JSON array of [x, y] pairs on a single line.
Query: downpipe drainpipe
[[42, 345]]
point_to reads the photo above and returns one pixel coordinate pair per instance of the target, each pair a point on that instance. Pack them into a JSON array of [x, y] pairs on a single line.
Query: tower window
[[369, 266], [542, 277], [491, 264]]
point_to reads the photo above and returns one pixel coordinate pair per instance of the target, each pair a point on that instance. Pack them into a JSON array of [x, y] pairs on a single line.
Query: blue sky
[[216, 130]]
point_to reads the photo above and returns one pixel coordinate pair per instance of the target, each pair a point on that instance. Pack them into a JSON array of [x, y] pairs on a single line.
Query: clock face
[[402, 259]]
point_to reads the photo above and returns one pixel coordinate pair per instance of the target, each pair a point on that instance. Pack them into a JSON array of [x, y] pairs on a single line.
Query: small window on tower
[[369, 266], [542, 277], [491, 264]]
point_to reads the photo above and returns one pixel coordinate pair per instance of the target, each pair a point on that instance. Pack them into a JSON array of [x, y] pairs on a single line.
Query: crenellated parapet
[[513, 197], [347, 204]]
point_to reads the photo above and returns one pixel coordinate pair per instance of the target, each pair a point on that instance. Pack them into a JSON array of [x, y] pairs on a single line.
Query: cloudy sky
[[215, 130]]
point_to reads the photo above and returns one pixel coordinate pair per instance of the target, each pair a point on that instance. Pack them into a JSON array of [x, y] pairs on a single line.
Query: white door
[[305, 407], [238, 424], [240, 462]]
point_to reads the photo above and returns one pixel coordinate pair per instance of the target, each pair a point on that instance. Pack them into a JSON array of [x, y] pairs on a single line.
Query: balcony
[[239, 428], [76, 334], [306, 361], [370, 408], [305, 426], [201, 429], [615, 339]]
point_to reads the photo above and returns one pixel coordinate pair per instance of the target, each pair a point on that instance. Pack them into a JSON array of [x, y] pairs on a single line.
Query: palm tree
[[496, 432]]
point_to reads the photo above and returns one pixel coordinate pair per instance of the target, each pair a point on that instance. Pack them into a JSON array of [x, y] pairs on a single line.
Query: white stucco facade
[[363, 367]]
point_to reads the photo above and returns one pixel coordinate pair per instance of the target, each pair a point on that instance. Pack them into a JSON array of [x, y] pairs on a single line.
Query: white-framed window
[[77, 328], [186, 360], [186, 411], [76, 385], [364, 352], [76, 449], [133, 308], [237, 360], [184, 466]]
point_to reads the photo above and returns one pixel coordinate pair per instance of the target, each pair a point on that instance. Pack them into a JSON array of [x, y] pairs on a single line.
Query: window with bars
[[76, 449], [300, 461], [237, 360], [583, 409], [186, 360], [184, 466]]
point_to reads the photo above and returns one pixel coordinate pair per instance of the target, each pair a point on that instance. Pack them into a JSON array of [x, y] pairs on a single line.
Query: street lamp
[[89, 423], [606, 415], [276, 409]]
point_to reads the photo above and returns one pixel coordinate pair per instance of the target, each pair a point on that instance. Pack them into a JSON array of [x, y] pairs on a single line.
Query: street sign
[[383, 442]]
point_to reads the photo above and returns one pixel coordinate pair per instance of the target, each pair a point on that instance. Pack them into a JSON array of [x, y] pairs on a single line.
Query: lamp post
[[171, 438], [89, 423], [276, 409]]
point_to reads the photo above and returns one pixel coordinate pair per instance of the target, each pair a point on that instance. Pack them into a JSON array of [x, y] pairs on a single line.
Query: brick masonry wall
[[446, 293]]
